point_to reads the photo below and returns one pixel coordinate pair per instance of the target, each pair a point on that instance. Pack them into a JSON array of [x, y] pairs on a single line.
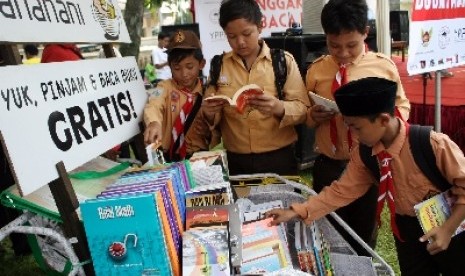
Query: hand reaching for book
[[153, 133], [280, 215]]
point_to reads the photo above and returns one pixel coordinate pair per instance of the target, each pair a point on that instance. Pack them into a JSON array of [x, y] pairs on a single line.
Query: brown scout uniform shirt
[[320, 78], [164, 105], [256, 132], [410, 185]]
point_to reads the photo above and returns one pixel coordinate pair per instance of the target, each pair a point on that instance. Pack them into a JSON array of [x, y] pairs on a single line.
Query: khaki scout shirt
[[410, 185], [256, 132], [320, 78], [164, 105]]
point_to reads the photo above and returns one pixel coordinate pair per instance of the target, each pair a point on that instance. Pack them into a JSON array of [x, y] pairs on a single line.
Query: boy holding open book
[[367, 107]]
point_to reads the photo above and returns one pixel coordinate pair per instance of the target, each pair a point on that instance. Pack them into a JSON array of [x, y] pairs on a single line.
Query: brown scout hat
[[184, 39]]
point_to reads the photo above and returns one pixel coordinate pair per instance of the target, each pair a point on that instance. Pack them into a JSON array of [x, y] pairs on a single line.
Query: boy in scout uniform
[[367, 107], [261, 141], [170, 113]]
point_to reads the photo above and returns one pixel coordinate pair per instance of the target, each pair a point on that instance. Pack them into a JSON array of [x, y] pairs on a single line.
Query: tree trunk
[[133, 16]]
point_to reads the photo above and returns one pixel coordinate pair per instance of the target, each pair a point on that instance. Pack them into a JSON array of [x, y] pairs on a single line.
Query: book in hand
[[434, 211], [328, 104], [240, 97]]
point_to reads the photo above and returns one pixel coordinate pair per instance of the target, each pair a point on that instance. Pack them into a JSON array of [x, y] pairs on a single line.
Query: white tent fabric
[[383, 36]]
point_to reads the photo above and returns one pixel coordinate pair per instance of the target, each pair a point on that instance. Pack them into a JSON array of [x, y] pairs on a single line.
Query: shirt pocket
[[417, 188]]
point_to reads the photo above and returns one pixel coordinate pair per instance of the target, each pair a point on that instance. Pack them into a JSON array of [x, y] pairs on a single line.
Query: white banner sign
[[278, 15], [437, 36], [96, 21], [68, 111]]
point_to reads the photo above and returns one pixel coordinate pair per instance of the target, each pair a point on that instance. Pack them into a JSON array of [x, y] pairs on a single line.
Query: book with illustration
[[240, 97], [434, 211], [125, 236], [205, 251], [328, 104]]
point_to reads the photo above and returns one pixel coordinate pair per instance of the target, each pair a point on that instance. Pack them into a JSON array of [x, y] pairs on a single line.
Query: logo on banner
[[426, 36], [108, 17], [444, 37]]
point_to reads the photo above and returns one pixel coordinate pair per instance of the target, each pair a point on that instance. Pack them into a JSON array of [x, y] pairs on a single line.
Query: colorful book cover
[[206, 252], [207, 198], [125, 236], [434, 211], [206, 216]]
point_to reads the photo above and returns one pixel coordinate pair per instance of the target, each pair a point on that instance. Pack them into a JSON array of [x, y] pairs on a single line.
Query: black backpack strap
[[215, 69], [370, 161], [278, 60], [423, 154]]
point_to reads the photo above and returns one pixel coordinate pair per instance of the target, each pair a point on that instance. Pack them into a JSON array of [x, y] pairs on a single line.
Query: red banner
[[424, 10]]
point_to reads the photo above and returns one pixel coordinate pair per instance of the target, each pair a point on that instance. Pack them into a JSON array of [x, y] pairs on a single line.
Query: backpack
[[423, 154], [278, 60]]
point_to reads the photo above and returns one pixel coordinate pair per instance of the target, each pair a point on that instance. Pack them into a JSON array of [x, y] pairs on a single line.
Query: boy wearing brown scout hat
[[170, 113], [367, 107]]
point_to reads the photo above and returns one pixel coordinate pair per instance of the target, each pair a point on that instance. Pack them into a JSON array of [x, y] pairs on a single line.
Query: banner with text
[[62, 21], [278, 15], [67, 111], [437, 35]]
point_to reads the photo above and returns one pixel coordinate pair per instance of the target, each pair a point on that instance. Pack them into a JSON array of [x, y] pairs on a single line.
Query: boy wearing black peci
[[367, 106]]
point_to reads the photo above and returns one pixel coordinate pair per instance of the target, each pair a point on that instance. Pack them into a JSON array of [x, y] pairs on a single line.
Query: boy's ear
[[202, 64], [384, 118]]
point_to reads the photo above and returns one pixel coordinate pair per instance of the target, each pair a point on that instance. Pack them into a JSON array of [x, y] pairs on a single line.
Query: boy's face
[[243, 37], [186, 72], [346, 46], [163, 43], [368, 133]]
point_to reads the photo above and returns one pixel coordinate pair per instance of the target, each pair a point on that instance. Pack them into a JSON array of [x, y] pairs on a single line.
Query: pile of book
[[134, 226], [212, 220]]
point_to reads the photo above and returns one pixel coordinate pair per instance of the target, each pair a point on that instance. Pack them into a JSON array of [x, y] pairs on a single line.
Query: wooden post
[[67, 203]]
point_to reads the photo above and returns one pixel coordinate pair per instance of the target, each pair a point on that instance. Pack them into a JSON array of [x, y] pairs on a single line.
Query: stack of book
[[134, 226]]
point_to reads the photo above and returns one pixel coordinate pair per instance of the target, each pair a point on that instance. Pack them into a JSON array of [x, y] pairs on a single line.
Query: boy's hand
[[280, 215], [320, 114], [439, 239], [267, 105], [152, 133], [211, 107]]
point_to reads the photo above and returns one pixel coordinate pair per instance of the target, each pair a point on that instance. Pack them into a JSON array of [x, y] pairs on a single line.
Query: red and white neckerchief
[[386, 189], [339, 80], [178, 144]]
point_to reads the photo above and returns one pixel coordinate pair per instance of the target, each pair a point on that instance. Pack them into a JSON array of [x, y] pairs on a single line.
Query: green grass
[[10, 265]]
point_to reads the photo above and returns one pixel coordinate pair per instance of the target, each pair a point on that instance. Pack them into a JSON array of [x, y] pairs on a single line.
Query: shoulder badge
[[154, 93]]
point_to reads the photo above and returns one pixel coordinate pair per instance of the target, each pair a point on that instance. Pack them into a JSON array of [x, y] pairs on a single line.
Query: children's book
[[434, 211], [240, 97], [329, 105], [206, 251], [206, 216], [125, 236]]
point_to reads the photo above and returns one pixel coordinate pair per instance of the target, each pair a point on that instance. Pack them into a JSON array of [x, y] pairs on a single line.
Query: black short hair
[[236, 9], [31, 49], [178, 54], [162, 35], [344, 15]]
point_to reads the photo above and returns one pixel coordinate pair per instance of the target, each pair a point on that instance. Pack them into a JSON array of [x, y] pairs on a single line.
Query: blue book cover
[[125, 236]]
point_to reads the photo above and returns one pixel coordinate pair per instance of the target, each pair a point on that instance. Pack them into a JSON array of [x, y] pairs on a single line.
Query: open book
[[329, 105], [240, 97], [435, 211]]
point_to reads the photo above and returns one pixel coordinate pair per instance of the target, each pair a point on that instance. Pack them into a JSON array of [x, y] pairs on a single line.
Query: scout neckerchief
[[339, 80], [178, 144], [386, 189]]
